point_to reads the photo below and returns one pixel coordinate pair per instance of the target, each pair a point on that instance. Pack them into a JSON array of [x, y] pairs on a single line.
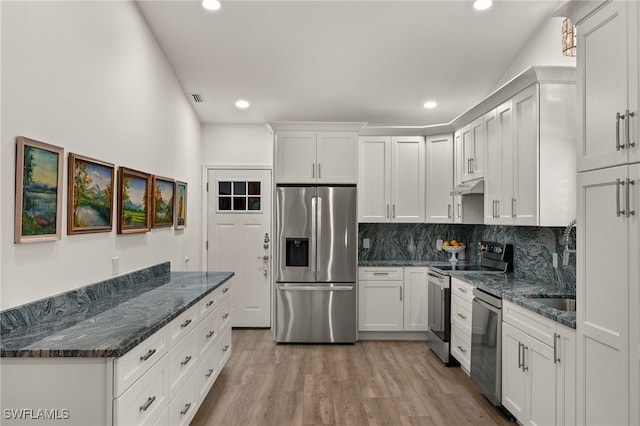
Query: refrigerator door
[[296, 226], [337, 234], [316, 313]]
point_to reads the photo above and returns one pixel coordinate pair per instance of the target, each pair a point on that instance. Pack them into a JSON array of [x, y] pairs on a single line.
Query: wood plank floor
[[369, 383]]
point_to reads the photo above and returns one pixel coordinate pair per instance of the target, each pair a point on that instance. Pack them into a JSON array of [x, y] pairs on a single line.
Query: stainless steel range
[[494, 258]]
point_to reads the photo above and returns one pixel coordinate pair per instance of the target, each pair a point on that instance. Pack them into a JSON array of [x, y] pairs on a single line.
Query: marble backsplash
[[533, 246]]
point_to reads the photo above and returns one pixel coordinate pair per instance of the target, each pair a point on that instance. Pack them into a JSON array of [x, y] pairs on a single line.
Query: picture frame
[[163, 201], [38, 198], [134, 201], [181, 205], [89, 195]]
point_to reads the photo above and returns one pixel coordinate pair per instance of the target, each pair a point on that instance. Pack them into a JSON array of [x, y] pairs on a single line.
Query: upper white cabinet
[[439, 172], [391, 179], [530, 178], [469, 208], [608, 87], [316, 157], [473, 150]]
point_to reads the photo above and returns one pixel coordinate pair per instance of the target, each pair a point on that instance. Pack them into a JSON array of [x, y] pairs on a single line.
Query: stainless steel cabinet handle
[[185, 324], [463, 290], [210, 333], [400, 293], [210, 302], [459, 210], [186, 408], [225, 316], [618, 118], [520, 363], [448, 210], [525, 367], [226, 348], [387, 211], [618, 211], [463, 350], [313, 170], [319, 171], [513, 207], [147, 404], [147, 355], [393, 208], [556, 337], [472, 166], [627, 126], [226, 289], [627, 202], [209, 373], [464, 317], [186, 360], [468, 165], [381, 273]]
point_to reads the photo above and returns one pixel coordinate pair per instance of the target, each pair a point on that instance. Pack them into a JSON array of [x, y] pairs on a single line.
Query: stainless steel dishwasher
[[486, 345]]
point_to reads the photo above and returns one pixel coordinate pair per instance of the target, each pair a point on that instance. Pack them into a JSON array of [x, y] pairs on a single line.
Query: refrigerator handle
[[314, 225], [318, 234]]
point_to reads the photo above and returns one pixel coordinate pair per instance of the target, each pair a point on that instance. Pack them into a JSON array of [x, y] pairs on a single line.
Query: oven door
[[439, 306]]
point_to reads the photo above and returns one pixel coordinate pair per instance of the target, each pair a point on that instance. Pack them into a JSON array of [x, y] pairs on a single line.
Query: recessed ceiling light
[[211, 4], [482, 4], [242, 104], [430, 104]]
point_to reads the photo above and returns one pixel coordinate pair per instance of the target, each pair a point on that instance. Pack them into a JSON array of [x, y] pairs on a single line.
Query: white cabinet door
[[407, 179], [603, 90], [499, 175], [457, 174], [295, 157], [478, 159], [634, 292], [513, 376], [374, 179], [439, 172], [603, 299], [541, 383], [492, 177], [565, 376], [415, 299], [524, 202], [380, 306], [337, 157]]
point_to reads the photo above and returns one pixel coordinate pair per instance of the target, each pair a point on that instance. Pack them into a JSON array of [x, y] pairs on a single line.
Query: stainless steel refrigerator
[[316, 264]]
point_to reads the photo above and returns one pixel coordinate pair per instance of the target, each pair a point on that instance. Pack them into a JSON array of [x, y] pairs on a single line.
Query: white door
[[239, 240]]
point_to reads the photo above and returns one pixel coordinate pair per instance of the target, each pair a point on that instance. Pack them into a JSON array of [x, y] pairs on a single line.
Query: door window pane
[[224, 188], [239, 203], [239, 188], [239, 196], [254, 188], [254, 203], [224, 203]]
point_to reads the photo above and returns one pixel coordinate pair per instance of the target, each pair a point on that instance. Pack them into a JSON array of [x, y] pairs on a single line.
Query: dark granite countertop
[[113, 324], [399, 263]]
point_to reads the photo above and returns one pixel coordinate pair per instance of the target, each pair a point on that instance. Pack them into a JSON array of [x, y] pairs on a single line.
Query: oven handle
[[487, 306]]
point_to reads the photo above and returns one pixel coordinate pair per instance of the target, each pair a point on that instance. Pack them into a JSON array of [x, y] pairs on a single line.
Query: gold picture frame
[[164, 190], [134, 201]]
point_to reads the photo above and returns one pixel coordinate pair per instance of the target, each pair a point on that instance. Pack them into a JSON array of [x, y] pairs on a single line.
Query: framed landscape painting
[[163, 199], [38, 208], [134, 201], [89, 195], [181, 205]]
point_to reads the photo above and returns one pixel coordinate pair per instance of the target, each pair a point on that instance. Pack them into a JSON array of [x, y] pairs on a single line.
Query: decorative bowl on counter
[[454, 250]]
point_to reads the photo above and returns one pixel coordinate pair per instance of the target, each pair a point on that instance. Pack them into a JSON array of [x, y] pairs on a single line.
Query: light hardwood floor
[[368, 383]]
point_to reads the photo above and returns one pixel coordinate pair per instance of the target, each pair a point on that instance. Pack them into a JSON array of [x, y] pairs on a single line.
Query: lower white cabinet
[[538, 368], [461, 310], [392, 299]]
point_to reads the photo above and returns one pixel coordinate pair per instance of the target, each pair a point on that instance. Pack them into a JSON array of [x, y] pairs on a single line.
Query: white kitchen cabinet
[[538, 368], [467, 209], [391, 179], [439, 179], [316, 157], [473, 150], [392, 299], [608, 87], [461, 315], [634, 293], [530, 150]]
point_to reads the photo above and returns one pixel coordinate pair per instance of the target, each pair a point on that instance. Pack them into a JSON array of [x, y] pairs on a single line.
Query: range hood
[[471, 187]]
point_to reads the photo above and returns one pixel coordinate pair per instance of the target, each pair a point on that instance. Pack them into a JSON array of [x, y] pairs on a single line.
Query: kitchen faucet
[[567, 250]]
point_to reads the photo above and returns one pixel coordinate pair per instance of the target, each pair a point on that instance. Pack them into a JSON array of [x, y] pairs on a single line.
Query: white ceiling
[[369, 61]]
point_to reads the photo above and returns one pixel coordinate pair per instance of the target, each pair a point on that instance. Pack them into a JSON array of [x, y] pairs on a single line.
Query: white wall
[[237, 145], [543, 48], [90, 77]]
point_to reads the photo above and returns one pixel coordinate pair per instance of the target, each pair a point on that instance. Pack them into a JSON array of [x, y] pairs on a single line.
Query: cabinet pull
[[400, 293], [185, 324], [448, 211], [380, 273], [556, 337], [226, 289], [463, 290], [513, 207], [627, 126], [186, 360], [387, 211], [627, 202], [525, 367], [210, 302], [313, 170], [618, 211], [464, 317], [186, 408], [472, 166], [393, 208], [147, 404], [226, 348], [148, 355], [459, 210], [225, 316], [463, 350], [209, 373], [520, 362], [210, 333], [618, 118], [319, 171]]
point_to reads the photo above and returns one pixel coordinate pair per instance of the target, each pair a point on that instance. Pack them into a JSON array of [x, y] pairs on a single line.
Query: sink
[[561, 303]]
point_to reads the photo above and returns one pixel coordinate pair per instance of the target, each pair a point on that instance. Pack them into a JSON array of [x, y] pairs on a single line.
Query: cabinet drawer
[[182, 362], [145, 401], [133, 364], [224, 348], [224, 314], [206, 374], [380, 274], [207, 333], [529, 322], [210, 302], [462, 289], [182, 325], [461, 347], [183, 407], [461, 313]]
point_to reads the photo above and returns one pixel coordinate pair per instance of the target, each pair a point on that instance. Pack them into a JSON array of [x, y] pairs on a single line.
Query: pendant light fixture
[[568, 38]]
